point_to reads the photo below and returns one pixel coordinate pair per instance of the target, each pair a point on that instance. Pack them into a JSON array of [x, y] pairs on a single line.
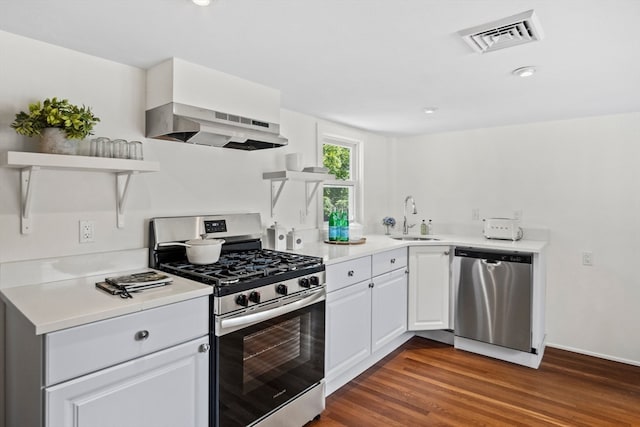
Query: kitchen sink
[[414, 238]]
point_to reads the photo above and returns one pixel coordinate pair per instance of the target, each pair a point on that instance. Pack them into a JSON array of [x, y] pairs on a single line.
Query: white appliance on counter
[[277, 237], [502, 229]]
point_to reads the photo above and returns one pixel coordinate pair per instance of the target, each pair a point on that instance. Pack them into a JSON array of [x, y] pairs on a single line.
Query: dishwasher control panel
[[520, 257]]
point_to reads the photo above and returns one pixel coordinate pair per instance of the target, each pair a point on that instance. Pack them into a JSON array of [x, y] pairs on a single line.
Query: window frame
[[356, 212]]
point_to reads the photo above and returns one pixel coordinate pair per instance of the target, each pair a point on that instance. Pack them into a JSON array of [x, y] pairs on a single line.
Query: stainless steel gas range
[[267, 320]]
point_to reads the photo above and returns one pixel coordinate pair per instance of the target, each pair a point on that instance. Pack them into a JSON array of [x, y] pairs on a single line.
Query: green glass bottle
[[344, 226], [333, 225]]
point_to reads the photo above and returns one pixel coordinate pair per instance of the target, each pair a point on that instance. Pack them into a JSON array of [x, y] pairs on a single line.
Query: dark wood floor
[[426, 383]]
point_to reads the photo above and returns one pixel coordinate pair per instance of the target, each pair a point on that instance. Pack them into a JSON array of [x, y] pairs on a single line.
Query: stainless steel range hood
[[185, 123]]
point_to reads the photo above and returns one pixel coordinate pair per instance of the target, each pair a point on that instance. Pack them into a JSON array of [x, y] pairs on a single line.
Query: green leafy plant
[[77, 122]]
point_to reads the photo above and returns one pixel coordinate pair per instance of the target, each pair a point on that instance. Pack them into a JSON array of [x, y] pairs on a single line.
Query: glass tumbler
[[97, 147], [120, 149], [135, 150]]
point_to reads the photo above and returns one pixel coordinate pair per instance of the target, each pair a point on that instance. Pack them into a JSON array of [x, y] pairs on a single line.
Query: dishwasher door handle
[[491, 262]]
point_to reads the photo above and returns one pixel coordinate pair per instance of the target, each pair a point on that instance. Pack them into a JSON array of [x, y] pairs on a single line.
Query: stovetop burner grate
[[246, 269]]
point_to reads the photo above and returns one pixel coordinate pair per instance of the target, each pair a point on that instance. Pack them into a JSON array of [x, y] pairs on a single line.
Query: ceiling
[[371, 64]]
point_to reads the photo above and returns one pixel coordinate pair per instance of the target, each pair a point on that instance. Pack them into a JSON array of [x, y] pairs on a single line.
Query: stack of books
[[123, 285]]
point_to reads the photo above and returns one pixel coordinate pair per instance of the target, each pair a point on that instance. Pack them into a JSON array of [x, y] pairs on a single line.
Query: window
[[342, 157]]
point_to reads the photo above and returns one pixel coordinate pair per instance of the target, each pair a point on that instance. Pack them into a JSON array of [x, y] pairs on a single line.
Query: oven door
[[261, 364]]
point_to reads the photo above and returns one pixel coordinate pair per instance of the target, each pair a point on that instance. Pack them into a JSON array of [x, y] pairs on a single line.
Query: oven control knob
[[304, 282], [314, 280], [282, 289], [254, 297], [242, 300]]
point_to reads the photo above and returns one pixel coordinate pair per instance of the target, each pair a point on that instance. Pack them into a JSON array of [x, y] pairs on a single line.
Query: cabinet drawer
[[87, 348], [347, 273], [386, 261]]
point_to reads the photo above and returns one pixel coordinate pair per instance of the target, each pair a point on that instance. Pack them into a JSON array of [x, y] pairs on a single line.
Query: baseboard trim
[[594, 354]]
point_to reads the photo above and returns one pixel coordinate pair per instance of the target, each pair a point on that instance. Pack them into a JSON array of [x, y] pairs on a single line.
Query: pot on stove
[[200, 251]]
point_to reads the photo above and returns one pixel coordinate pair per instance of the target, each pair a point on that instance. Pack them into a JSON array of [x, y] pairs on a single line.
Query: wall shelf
[[30, 164], [281, 177]]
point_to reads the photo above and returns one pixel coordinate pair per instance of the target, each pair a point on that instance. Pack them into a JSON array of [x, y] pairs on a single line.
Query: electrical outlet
[[587, 258], [86, 231], [475, 214]]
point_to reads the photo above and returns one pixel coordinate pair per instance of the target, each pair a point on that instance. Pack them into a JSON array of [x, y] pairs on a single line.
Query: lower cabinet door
[[348, 328], [389, 307], [429, 288], [165, 389]]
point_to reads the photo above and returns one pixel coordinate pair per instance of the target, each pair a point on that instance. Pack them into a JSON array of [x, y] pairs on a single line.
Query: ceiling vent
[[507, 32]]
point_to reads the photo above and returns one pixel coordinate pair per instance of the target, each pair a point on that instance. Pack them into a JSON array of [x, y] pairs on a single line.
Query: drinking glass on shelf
[[98, 146], [120, 149], [135, 150], [107, 150]]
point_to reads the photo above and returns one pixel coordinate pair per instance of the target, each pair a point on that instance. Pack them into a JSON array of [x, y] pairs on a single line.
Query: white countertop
[[332, 253], [64, 304], [57, 305]]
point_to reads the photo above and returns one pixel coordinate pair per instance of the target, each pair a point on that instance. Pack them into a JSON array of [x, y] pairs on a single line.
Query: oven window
[[264, 365], [267, 353]]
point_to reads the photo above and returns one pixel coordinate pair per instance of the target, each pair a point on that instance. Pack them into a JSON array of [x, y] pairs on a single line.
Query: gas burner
[[240, 270]]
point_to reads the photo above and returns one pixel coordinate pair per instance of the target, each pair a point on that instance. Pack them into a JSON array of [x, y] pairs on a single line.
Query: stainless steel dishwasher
[[494, 297]]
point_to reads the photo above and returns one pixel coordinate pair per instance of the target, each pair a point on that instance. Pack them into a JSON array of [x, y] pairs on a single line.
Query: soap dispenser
[[423, 228]]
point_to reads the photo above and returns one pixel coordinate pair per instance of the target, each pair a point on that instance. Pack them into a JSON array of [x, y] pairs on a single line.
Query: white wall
[[580, 178], [192, 179]]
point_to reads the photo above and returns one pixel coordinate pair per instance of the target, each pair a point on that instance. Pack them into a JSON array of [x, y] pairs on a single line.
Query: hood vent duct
[[185, 123], [507, 32]]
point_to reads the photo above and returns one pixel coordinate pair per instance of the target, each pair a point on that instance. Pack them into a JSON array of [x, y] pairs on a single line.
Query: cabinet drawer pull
[[393, 260], [142, 335], [350, 273], [204, 348]]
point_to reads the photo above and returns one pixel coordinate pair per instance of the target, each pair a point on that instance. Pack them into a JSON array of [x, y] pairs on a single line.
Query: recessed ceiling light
[[201, 2], [429, 110], [524, 71]]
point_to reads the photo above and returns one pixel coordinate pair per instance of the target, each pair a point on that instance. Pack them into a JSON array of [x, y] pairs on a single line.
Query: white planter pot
[[55, 141]]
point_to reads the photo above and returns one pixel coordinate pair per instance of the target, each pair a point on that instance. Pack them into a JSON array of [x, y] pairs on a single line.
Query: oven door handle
[[225, 326]]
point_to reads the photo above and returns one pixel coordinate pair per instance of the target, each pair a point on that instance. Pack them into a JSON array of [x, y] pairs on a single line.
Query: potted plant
[[388, 222], [57, 122]]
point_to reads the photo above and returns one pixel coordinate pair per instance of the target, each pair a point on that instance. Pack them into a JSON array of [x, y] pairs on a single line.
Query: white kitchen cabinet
[[115, 372], [168, 388], [367, 319], [348, 327], [389, 308], [429, 288]]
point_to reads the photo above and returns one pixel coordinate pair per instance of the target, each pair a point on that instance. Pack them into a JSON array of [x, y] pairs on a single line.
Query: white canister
[[293, 162], [294, 240], [276, 237]]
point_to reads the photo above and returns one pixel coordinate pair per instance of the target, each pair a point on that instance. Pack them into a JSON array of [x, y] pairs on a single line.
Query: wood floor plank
[[426, 383]]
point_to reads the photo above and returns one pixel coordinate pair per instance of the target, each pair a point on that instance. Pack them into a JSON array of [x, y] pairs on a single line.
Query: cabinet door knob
[[371, 285], [446, 252], [350, 273], [142, 335], [204, 348], [393, 260]]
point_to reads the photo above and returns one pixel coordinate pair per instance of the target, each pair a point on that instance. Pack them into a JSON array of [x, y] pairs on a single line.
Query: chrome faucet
[[405, 225]]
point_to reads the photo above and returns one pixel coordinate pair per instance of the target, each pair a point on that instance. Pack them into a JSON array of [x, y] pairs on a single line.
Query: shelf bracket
[[27, 181], [276, 196], [311, 196], [123, 179]]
